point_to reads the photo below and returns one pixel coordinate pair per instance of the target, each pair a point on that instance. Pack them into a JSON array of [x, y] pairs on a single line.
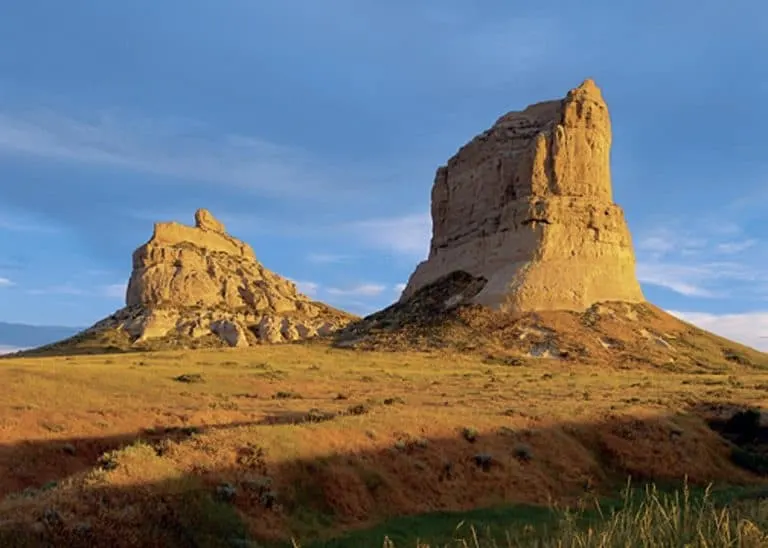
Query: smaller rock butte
[[196, 281], [527, 206]]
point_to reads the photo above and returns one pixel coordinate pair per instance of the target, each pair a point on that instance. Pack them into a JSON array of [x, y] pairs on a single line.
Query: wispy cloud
[[695, 280], [360, 290], [399, 288], [16, 222], [97, 272], [664, 240], [407, 235], [5, 282], [327, 258], [63, 289], [108, 291], [179, 149], [361, 299], [308, 288], [701, 259], [114, 291], [750, 328], [736, 247]]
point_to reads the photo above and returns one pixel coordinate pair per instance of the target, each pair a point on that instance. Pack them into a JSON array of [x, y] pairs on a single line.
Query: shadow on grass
[[518, 524], [38, 463], [410, 489], [30, 465]]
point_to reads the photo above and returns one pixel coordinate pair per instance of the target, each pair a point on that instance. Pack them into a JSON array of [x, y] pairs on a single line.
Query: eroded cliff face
[[184, 266], [527, 205], [190, 282]]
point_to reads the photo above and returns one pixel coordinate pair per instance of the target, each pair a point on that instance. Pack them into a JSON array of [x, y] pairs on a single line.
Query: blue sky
[[313, 129]]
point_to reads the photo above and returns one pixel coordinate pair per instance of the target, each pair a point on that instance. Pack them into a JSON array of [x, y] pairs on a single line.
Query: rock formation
[[530, 258], [527, 207], [193, 282]]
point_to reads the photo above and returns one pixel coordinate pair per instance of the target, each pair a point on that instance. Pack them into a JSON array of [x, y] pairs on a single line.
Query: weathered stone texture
[[195, 281], [528, 206], [205, 220]]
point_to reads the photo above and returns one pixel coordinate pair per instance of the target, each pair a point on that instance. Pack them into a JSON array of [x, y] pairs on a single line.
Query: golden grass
[[348, 437]]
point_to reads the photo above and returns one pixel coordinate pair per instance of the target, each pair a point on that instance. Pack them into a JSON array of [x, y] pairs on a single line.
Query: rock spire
[[527, 206]]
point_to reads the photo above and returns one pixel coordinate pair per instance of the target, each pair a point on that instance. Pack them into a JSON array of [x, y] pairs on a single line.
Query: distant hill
[[18, 336]]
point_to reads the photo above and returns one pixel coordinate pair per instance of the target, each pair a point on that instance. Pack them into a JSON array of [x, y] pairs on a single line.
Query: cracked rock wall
[[196, 280], [528, 206]]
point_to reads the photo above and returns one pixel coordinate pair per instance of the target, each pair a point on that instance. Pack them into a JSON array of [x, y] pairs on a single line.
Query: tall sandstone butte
[[527, 205]]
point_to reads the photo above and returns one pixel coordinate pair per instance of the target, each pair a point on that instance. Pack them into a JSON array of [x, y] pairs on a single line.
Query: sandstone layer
[[527, 206], [195, 282]]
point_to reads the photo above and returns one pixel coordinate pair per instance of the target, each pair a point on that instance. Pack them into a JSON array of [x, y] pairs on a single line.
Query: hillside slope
[[110, 334], [440, 316]]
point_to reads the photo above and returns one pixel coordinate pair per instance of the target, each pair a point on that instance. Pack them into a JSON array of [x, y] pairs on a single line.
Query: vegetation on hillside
[[309, 442]]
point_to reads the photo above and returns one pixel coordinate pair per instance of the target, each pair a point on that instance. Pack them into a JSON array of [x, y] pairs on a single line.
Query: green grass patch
[[641, 516], [205, 521]]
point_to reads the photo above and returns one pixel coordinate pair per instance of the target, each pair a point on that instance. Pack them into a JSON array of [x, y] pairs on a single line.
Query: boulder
[[205, 220], [232, 332]]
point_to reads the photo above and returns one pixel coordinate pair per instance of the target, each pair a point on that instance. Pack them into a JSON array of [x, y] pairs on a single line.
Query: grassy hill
[[315, 443]]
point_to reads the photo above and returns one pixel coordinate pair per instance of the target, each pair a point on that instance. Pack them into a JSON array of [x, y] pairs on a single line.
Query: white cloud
[[97, 272], [5, 282], [713, 279], [114, 291], [663, 241], [700, 258], [407, 235], [702, 236], [308, 288], [750, 328], [63, 289], [17, 222], [735, 247], [179, 149], [360, 290], [110, 291], [327, 258], [680, 279], [399, 288]]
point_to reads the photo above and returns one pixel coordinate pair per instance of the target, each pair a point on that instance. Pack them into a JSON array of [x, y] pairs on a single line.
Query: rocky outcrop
[[441, 317], [527, 206], [189, 283]]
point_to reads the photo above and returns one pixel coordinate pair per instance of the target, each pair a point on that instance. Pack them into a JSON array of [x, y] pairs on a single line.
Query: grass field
[[641, 517], [312, 443]]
